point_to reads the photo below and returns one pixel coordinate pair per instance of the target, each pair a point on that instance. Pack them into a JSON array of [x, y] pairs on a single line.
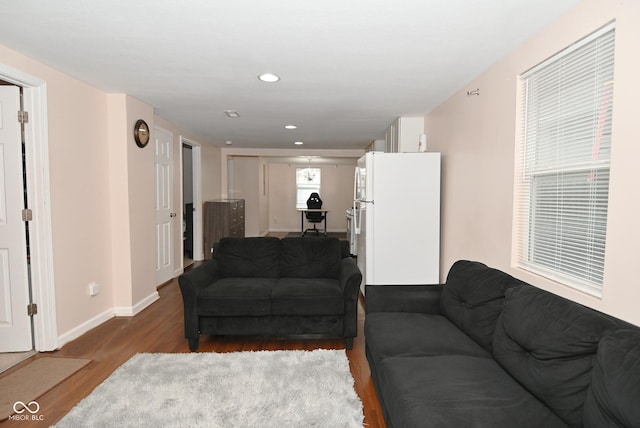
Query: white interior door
[[164, 213], [15, 324]]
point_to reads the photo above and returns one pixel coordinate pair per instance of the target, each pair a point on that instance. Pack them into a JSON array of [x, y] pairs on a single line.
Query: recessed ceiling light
[[298, 143], [290, 127], [269, 77], [228, 142], [232, 113]]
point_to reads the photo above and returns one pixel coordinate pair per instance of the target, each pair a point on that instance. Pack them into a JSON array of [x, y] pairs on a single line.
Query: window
[[307, 182], [562, 181]]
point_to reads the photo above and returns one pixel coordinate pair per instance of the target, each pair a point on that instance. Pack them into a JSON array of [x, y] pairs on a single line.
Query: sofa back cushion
[[472, 299], [248, 257], [310, 257], [613, 398], [548, 344]]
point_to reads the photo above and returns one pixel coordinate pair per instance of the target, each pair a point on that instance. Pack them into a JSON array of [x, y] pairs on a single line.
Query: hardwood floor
[[159, 328]]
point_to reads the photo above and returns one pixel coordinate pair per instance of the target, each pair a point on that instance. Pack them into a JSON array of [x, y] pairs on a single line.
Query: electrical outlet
[[94, 288]]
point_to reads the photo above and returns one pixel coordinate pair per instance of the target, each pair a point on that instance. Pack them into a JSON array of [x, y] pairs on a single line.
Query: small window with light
[[307, 182]]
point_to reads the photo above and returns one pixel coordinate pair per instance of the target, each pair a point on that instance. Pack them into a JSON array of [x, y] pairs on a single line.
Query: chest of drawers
[[224, 217]]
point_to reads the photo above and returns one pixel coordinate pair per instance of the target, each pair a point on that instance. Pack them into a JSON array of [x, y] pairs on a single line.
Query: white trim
[[196, 154], [555, 57], [130, 311], [577, 202], [38, 191], [105, 316], [83, 328]]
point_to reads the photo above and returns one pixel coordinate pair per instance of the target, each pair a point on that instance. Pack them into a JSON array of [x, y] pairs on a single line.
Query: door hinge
[[27, 214], [32, 309], [23, 116]]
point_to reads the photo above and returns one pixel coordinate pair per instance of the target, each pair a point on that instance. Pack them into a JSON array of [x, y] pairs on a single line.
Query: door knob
[[172, 215]]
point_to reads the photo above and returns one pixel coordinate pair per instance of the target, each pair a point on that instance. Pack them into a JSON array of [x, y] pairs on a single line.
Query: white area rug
[[240, 389]]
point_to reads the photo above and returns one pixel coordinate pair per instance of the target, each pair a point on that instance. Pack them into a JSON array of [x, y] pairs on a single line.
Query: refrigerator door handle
[[357, 214], [355, 187]]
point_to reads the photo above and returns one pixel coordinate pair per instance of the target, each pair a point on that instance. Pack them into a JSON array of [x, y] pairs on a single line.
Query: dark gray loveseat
[[273, 287], [487, 350]]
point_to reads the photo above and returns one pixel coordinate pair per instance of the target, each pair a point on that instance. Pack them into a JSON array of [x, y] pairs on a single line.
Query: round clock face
[[141, 133]]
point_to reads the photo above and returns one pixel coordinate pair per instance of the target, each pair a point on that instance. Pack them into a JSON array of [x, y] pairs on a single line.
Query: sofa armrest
[[403, 298], [191, 283], [350, 279]]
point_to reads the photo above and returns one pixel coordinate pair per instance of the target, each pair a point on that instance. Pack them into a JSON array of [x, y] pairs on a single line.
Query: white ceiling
[[348, 67]]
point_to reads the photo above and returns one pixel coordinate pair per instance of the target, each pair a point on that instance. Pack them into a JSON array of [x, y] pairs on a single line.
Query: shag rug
[[240, 389]]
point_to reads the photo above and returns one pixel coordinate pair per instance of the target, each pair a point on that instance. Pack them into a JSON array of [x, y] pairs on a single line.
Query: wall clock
[[141, 133]]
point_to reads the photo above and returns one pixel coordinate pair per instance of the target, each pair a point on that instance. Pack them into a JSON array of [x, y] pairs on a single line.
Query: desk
[[310, 210]]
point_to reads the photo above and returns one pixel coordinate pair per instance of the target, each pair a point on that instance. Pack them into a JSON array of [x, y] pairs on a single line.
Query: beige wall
[[142, 186], [263, 196], [336, 191], [79, 191], [276, 204], [246, 185], [249, 183], [270, 199], [120, 226], [101, 190], [79, 183], [211, 173], [476, 135]]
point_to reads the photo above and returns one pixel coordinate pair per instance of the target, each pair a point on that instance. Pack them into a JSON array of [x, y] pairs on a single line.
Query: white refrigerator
[[397, 218]]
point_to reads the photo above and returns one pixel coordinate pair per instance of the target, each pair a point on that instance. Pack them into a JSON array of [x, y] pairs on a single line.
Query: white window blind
[[562, 173]]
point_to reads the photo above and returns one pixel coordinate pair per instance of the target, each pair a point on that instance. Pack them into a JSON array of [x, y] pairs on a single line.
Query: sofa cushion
[[237, 296], [310, 257], [458, 391], [307, 296], [472, 298], [548, 344], [614, 395], [248, 257], [392, 334]]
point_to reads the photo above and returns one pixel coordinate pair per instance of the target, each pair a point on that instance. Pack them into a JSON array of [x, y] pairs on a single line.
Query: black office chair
[[314, 202]]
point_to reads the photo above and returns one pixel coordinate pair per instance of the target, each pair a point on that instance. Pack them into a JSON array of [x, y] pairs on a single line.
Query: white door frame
[[196, 153], [38, 192]]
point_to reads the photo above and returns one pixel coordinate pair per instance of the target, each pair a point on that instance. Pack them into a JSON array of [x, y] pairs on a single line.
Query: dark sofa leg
[[194, 343], [349, 342]]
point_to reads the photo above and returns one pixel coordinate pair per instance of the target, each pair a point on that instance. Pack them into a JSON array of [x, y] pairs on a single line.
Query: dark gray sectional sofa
[[273, 287], [487, 350]]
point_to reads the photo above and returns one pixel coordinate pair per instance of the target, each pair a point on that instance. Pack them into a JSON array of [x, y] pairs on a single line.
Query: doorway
[[187, 204], [191, 201]]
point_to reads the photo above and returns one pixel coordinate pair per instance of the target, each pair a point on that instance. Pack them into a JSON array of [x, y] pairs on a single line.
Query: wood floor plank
[[159, 328]]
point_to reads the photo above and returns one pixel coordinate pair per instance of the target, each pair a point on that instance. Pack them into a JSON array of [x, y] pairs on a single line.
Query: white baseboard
[[106, 316], [85, 327], [129, 311]]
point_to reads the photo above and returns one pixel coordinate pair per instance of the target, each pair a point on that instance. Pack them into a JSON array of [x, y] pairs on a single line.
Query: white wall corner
[[130, 311]]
